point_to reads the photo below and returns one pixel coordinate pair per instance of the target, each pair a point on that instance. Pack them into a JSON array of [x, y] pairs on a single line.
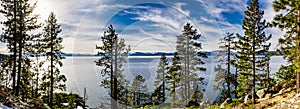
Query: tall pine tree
[[289, 44], [53, 79], [188, 48], [173, 78], [138, 91], [113, 54], [19, 23], [161, 78], [249, 47], [224, 75]]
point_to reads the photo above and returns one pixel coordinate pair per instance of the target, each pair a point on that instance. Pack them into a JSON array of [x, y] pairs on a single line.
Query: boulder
[[268, 96], [261, 93]]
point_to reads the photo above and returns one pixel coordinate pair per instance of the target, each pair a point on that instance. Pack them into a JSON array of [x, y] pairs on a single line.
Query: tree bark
[[115, 74], [20, 42], [51, 69], [15, 49], [298, 50], [253, 70], [228, 68]]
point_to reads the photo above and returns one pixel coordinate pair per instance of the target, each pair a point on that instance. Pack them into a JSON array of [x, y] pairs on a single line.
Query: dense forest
[[31, 78]]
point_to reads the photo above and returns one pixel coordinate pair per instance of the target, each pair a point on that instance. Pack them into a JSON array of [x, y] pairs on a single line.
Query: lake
[[81, 72]]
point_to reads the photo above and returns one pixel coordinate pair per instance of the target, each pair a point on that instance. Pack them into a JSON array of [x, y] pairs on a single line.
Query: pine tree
[[173, 78], [249, 46], [5, 71], [123, 93], [112, 54], [138, 89], [197, 96], [37, 50], [285, 73], [10, 34], [53, 79], [188, 48], [161, 78], [157, 95], [20, 21], [289, 43], [224, 75]]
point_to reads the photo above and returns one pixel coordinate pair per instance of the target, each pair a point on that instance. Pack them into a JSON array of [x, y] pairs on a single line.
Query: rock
[[261, 93], [268, 96], [225, 103], [282, 104], [291, 100]]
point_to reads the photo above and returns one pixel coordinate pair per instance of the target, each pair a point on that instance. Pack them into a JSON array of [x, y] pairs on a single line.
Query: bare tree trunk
[[15, 50], [253, 71], [20, 41], [188, 70], [111, 78], [51, 72], [115, 75], [298, 50], [228, 70]]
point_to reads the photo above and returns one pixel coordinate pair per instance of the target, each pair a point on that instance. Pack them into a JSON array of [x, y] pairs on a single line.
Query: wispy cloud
[[217, 7]]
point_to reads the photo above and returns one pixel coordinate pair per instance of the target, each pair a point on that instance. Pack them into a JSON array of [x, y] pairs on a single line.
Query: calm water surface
[[82, 72]]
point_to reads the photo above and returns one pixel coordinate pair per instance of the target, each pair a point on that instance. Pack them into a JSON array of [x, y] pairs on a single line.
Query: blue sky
[[148, 26]]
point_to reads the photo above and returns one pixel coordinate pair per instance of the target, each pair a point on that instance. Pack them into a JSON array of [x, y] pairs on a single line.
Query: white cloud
[[217, 7], [205, 19], [179, 8], [269, 14]]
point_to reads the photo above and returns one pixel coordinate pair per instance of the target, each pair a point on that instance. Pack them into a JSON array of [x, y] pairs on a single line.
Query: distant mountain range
[[210, 53]]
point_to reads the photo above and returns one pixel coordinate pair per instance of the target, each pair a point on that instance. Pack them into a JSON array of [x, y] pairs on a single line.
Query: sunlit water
[[82, 72]]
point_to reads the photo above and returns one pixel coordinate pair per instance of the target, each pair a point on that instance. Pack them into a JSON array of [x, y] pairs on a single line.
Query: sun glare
[[43, 9]]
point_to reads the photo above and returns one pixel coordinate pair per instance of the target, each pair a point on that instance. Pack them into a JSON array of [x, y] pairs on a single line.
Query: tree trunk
[[188, 70], [15, 49], [228, 70], [298, 50], [37, 79], [20, 42], [115, 74], [253, 70], [163, 86], [51, 70]]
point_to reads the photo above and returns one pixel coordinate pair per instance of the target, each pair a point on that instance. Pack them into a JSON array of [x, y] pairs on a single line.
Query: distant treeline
[[211, 53]]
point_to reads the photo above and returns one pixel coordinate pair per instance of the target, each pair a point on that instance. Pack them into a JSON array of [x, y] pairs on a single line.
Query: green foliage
[[235, 102], [224, 78], [250, 107], [285, 73], [157, 95], [190, 58], [288, 43], [101, 106], [52, 79], [250, 49], [17, 34], [214, 107], [72, 99], [138, 91], [37, 103], [112, 54], [160, 80], [173, 78]]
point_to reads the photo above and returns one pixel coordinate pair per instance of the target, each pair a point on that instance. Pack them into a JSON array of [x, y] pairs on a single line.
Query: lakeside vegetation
[[26, 81]]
